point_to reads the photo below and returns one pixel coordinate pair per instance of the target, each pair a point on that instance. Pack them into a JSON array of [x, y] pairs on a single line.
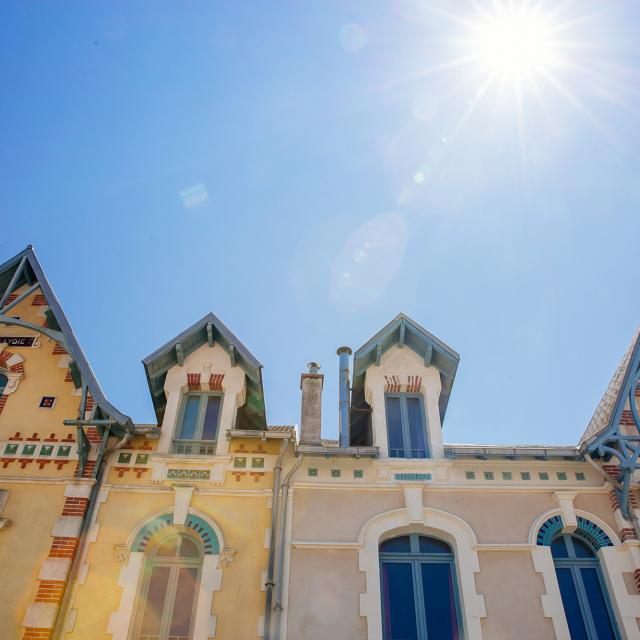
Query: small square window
[[470, 475], [29, 449], [507, 475], [64, 451], [358, 473], [11, 449], [312, 472], [239, 462], [335, 473], [257, 463], [47, 402], [525, 475], [488, 475], [562, 475], [142, 458], [46, 450], [580, 476], [124, 458]]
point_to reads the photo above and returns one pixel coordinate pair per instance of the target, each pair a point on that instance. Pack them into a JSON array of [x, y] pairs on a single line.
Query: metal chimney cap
[[314, 367], [346, 350]]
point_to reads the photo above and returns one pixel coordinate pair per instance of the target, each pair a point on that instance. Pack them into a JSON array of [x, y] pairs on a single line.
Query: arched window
[[583, 590], [419, 590], [3, 382], [167, 596]]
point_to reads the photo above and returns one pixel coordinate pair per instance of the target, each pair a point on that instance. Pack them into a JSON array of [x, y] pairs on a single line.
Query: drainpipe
[[275, 502], [281, 543], [58, 631], [618, 485], [343, 390]]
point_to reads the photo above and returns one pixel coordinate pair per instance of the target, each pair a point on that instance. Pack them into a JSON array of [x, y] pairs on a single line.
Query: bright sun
[[514, 42]]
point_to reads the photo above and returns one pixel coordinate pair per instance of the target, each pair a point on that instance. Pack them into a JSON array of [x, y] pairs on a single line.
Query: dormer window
[[406, 426], [198, 424]]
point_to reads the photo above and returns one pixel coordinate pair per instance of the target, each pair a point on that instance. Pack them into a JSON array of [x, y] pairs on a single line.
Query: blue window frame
[[3, 382], [198, 424], [418, 589], [406, 426], [584, 592]]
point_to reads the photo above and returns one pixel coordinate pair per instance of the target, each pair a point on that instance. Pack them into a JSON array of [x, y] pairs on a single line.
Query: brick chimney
[[310, 422]]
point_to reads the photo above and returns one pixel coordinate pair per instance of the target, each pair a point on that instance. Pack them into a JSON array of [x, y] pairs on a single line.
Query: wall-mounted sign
[[20, 341]]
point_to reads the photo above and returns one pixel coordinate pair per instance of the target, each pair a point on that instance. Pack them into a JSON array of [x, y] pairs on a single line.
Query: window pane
[[396, 545], [597, 604], [571, 605], [417, 432], [394, 428], [190, 418], [183, 607], [168, 549], [398, 605], [155, 601], [210, 428], [439, 600], [188, 549], [431, 545], [581, 549], [559, 548]]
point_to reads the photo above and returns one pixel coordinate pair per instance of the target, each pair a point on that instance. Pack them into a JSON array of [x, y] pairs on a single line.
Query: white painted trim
[[551, 599], [542, 518], [455, 530], [205, 622], [120, 621]]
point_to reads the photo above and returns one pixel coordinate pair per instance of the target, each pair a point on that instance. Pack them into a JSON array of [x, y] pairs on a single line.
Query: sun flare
[[514, 42]]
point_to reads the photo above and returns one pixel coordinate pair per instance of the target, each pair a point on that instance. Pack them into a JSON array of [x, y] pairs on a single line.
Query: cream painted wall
[[512, 592], [324, 599], [404, 362]]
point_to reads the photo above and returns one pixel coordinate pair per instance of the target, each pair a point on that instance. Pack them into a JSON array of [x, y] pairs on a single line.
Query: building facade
[[212, 524]]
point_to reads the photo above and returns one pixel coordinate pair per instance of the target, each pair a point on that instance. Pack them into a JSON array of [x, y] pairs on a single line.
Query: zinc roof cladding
[[614, 395], [161, 360], [34, 273], [403, 329]]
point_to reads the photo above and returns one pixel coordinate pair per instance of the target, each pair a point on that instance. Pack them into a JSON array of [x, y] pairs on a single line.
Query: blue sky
[[306, 170]]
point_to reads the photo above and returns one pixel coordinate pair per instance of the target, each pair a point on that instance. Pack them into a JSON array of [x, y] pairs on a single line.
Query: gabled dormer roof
[[606, 417], [402, 331], [25, 270], [208, 330]]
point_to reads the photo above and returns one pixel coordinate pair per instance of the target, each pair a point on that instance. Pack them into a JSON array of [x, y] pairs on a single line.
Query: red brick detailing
[[139, 471], [24, 462], [612, 469], [50, 591], [393, 384], [613, 500], [6, 462], [69, 438], [11, 297], [17, 368], [63, 547], [636, 575], [31, 633], [58, 350], [75, 506], [68, 377], [237, 475], [628, 534], [51, 438], [45, 323], [626, 419], [414, 384], [121, 470], [215, 381], [39, 301], [89, 406], [4, 356], [259, 449], [60, 463], [42, 462], [33, 438], [87, 472], [93, 435], [3, 401], [17, 436], [193, 380], [256, 475]]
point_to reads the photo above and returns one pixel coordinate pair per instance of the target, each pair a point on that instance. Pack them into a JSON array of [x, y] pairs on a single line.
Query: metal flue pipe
[[343, 396]]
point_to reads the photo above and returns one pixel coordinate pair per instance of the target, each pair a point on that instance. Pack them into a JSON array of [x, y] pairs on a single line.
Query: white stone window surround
[[404, 362], [205, 361], [614, 561], [434, 522], [130, 579]]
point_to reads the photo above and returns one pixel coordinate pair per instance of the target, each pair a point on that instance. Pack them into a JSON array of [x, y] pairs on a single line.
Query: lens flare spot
[[352, 37]]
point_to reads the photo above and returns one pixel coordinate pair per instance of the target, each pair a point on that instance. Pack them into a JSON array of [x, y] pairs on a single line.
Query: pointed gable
[[24, 270], [207, 331]]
